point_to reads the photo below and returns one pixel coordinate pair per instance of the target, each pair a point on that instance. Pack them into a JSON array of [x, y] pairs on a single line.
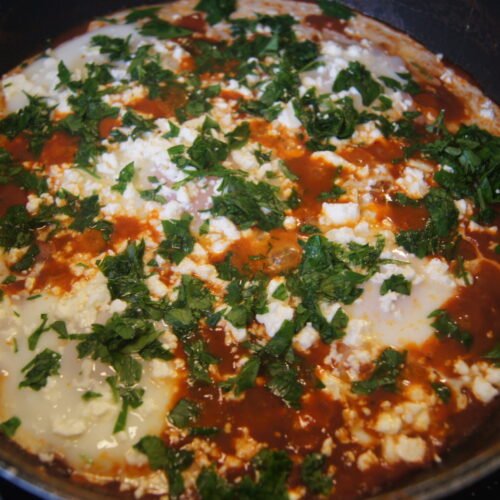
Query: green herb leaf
[[124, 177], [335, 9], [248, 204], [396, 283], [42, 366], [35, 336], [216, 10], [184, 413], [356, 75], [315, 479], [89, 395], [443, 391], [447, 328], [494, 355], [10, 426], [173, 462], [178, 242], [162, 29], [116, 48], [388, 367]]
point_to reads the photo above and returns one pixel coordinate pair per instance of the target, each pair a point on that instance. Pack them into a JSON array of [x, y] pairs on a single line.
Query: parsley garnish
[[439, 234], [124, 177], [388, 367], [335, 9], [216, 10], [178, 241], [356, 75], [396, 283], [162, 29], [42, 366], [494, 355], [447, 328], [10, 426], [171, 461], [273, 469], [116, 48], [323, 118], [89, 395], [33, 120], [184, 413], [442, 390], [316, 481], [249, 204]]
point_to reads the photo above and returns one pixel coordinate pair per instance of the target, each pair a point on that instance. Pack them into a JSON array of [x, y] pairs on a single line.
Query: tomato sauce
[[273, 253], [60, 148], [11, 195], [194, 22], [322, 22], [18, 147], [163, 106], [433, 100], [106, 125]]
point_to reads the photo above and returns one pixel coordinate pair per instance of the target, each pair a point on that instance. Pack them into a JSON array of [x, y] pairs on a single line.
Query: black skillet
[[466, 32]]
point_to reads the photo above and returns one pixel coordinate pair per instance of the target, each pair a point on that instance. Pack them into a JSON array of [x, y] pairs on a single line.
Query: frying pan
[[466, 32]]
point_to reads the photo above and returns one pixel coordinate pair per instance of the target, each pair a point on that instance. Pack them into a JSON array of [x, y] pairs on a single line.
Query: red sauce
[[18, 147], [126, 228], [106, 125], [315, 175], [55, 274], [193, 22], [321, 22], [14, 288], [230, 95], [163, 107], [435, 99], [60, 148], [404, 218], [273, 253], [89, 242], [11, 195], [381, 151]]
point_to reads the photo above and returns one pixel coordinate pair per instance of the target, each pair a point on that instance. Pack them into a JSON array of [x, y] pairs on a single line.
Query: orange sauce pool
[[60, 148], [11, 195], [161, 107], [435, 99], [273, 253]]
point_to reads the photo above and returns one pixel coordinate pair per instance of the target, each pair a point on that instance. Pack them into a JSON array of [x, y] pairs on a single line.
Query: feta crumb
[[339, 214]]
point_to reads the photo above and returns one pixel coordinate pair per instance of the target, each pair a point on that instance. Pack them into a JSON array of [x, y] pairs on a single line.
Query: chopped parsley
[[170, 460], [272, 468], [124, 178], [162, 29], [335, 9], [439, 236], [388, 367], [249, 204], [356, 75], [396, 283], [184, 413], [116, 48], [40, 368], [216, 10], [313, 475], [178, 242], [442, 390], [494, 355], [447, 328], [10, 426], [33, 120]]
